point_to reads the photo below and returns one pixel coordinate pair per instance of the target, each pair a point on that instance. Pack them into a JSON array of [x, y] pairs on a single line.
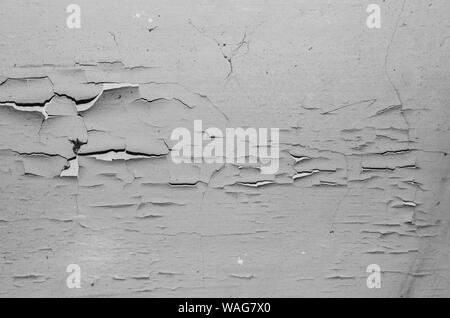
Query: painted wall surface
[[86, 177]]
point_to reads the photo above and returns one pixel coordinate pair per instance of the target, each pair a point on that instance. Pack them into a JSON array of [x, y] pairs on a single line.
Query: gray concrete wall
[[364, 127]]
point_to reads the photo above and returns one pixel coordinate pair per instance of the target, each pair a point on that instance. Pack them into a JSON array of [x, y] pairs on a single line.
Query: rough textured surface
[[364, 132]]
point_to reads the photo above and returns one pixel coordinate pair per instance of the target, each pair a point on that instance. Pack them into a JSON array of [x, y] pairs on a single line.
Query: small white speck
[[240, 261], [138, 15], [303, 253], [150, 20]]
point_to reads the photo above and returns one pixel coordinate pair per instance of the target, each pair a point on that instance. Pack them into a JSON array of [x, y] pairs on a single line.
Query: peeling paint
[[85, 123]]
